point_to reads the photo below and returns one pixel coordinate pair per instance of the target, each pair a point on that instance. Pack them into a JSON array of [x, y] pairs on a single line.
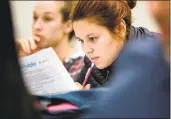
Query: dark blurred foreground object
[[15, 102]]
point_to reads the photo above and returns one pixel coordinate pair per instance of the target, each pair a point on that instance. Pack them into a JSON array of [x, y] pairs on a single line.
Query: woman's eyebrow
[[48, 12], [79, 38], [90, 34]]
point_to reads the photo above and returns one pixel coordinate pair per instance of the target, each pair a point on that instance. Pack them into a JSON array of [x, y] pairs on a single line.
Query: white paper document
[[44, 74]]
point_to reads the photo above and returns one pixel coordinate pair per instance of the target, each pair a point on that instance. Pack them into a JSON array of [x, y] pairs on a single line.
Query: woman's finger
[[32, 44], [36, 38], [27, 46], [88, 86], [24, 47], [80, 87]]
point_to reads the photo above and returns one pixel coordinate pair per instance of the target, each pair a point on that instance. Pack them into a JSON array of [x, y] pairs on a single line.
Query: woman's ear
[[68, 27], [120, 29]]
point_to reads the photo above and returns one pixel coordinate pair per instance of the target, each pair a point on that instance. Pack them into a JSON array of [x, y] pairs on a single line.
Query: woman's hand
[[80, 87], [27, 47]]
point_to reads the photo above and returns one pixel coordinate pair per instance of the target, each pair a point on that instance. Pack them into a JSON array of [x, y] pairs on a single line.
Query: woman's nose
[[37, 25], [88, 49]]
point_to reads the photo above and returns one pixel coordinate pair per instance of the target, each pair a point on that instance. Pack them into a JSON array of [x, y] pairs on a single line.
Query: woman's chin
[[100, 66]]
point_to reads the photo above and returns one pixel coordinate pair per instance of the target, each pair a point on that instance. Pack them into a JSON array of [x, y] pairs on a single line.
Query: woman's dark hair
[[107, 13], [15, 102], [65, 11]]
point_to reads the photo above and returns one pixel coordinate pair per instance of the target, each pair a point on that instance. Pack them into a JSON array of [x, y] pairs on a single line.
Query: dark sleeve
[[139, 88], [82, 74], [93, 76]]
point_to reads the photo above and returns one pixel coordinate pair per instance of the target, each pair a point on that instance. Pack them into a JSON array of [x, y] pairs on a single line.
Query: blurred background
[[22, 17]]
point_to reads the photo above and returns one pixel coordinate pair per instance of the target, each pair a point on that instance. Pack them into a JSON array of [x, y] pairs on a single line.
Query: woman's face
[[47, 23], [99, 44]]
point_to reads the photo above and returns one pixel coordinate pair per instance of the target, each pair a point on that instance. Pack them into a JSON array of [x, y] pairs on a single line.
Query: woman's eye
[[93, 39], [35, 18], [79, 40], [47, 19]]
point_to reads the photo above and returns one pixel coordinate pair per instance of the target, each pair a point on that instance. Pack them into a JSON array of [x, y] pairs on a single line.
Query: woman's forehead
[[83, 28], [48, 6], [88, 22]]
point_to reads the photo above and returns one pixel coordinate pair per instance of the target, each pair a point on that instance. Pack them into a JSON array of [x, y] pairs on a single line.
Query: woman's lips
[[39, 36], [94, 59]]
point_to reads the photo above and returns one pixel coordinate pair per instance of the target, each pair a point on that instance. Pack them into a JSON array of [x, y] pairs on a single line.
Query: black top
[[97, 78]]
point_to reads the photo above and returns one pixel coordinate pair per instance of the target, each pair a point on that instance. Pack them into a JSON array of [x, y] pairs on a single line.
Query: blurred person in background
[[51, 27], [160, 11]]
